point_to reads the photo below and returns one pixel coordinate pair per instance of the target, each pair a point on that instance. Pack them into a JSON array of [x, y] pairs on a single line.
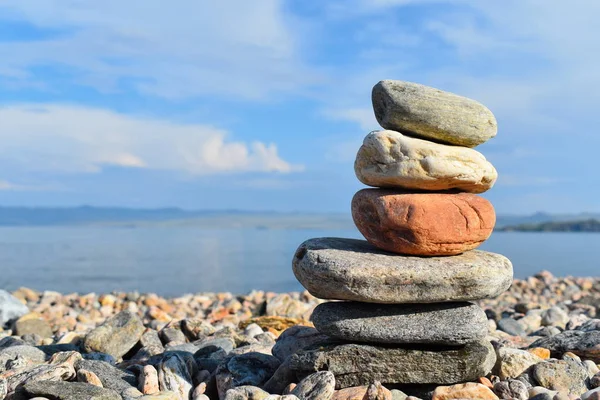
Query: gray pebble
[[511, 389], [512, 327], [317, 386], [555, 316], [66, 391], [591, 367], [172, 335], [28, 354], [253, 330], [225, 343], [589, 394], [595, 381], [10, 308], [252, 369], [398, 395], [110, 376], [116, 336], [246, 393], [542, 396]]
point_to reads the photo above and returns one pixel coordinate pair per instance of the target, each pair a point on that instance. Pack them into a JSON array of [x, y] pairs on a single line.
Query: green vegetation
[[588, 225]]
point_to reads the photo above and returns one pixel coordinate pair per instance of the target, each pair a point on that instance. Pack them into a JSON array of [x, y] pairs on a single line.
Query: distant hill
[[130, 217], [589, 225], [40, 216], [540, 217]]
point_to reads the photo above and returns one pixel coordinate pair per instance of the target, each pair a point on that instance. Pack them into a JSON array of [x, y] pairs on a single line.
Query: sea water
[[176, 260]]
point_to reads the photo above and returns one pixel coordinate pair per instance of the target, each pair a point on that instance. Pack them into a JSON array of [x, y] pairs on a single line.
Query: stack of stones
[[406, 315]]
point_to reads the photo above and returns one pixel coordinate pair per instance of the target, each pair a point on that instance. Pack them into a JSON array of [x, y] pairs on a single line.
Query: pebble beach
[[415, 311], [225, 346]]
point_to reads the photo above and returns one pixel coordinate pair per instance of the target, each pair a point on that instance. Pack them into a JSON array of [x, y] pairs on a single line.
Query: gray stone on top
[[354, 270], [10, 308], [431, 113], [355, 364], [441, 323]]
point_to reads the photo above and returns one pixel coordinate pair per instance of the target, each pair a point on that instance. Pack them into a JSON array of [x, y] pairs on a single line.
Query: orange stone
[[373, 392], [423, 224], [486, 382], [351, 393], [541, 352], [85, 376], [469, 390], [274, 324]]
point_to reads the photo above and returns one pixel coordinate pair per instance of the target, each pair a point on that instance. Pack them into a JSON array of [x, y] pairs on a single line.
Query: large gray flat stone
[[362, 364], [350, 269], [432, 114], [440, 323]]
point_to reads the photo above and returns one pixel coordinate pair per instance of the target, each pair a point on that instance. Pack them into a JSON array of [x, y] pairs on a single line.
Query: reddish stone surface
[[423, 224], [351, 393], [468, 390]]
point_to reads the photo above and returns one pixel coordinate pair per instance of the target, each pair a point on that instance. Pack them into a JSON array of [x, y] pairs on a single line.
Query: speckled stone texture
[[350, 269], [423, 224], [442, 323], [431, 113], [390, 159], [360, 364]]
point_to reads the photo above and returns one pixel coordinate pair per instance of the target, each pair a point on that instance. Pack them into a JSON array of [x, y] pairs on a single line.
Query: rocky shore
[[544, 330]]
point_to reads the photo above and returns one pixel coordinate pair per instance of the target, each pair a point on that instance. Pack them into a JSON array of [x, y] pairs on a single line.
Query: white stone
[[390, 159]]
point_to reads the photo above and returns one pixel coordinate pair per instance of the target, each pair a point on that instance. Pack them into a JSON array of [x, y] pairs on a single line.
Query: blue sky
[[262, 105]]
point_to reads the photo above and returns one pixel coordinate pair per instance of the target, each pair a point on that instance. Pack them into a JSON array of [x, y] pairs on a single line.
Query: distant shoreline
[[587, 226], [266, 220]]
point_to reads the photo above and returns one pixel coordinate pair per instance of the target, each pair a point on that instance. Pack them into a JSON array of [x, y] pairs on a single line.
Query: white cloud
[[15, 187], [181, 49], [515, 54], [63, 138], [532, 62]]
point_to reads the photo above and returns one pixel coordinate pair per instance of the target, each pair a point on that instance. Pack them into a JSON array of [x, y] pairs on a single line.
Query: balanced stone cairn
[[406, 315]]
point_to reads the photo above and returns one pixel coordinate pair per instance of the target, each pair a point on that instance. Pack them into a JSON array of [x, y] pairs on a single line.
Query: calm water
[[172, 261]]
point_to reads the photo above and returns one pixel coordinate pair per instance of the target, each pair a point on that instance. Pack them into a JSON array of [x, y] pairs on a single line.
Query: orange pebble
[[486, 382], [541, 352]]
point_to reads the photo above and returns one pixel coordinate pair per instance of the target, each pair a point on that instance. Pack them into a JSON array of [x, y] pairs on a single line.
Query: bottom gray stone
[[441, 323], [361, 364]]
